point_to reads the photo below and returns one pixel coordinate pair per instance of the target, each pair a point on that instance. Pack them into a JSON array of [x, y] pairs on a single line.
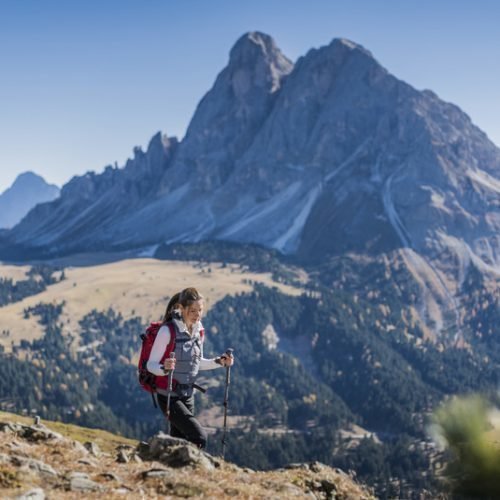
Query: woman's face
[[191, 314]]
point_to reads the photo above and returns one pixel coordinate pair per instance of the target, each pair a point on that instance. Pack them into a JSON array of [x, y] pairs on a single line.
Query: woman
[[184, 313]]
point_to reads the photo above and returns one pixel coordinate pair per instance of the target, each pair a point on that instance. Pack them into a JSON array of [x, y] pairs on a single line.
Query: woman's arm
[[158, 350], [208, 364]]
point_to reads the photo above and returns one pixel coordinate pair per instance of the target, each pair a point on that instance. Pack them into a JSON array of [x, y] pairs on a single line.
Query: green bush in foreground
[[474, 468]]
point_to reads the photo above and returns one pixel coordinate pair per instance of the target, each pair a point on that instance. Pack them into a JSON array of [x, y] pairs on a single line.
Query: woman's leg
[[176, 433], [162, 402], [183, 420], [183, 423]]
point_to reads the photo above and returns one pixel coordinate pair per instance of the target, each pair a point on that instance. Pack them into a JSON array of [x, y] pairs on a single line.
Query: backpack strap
[[171, 344], [169, 349]]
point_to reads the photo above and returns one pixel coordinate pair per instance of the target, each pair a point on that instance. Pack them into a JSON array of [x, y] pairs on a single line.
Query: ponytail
[[174, 301]]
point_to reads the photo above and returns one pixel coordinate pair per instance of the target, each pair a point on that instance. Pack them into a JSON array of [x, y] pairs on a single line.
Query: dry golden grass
[[15, 273], [106, 441], [134, 287]]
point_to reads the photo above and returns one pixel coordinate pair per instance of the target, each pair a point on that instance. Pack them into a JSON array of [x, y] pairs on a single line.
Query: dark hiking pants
[[183, 423]]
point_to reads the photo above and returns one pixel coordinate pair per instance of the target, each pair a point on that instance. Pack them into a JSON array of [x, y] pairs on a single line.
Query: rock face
[[172, 467], [27, 191], [230, 115], [329, 156]]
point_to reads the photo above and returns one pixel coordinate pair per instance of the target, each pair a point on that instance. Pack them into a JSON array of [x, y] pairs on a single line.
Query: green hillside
[[307, 368]]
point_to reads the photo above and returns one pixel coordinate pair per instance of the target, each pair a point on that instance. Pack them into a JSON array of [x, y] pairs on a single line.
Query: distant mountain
[[326, 157], [27, 191]]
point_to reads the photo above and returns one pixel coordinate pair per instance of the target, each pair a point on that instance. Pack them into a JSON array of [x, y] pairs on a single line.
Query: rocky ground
[[53, 460]]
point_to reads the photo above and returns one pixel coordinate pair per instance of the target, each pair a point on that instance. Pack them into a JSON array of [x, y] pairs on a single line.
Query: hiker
[[183, 313]]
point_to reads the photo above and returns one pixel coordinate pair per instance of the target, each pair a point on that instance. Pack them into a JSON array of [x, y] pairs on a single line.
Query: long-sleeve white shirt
[[160, 345]]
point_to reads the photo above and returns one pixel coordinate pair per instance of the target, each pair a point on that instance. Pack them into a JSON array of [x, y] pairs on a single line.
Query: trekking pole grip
[[172, 356], [229, 352]]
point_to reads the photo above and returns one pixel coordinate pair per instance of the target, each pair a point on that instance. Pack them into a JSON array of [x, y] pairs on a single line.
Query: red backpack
[[148, 381]]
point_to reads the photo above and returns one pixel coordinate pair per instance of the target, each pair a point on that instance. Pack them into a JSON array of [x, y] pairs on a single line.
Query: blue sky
[[83, 82]]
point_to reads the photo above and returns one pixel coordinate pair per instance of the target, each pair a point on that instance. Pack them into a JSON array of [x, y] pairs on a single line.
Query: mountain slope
[[130, 286], [61, 461], [299, 359]]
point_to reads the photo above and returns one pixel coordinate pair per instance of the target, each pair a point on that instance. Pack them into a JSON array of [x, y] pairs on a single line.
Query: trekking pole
[[170, 380], [229, 352]]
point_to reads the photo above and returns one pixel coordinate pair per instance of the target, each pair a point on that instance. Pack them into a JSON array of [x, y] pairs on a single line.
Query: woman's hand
[[226, 360], [169, 365]]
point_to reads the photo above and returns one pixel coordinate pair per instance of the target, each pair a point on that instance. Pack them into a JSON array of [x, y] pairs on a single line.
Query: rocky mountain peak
[[248, 42], [27, 190], [341, 57], [231, 113], [346, 45], [258, 53], [160, 143], [28, 178]]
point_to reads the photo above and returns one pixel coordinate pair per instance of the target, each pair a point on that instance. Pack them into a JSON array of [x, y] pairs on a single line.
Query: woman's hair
[[171, 307], [185, 298], [188, 296]]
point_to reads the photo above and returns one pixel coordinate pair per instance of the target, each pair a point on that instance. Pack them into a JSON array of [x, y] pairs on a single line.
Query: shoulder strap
[[171, 344]]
